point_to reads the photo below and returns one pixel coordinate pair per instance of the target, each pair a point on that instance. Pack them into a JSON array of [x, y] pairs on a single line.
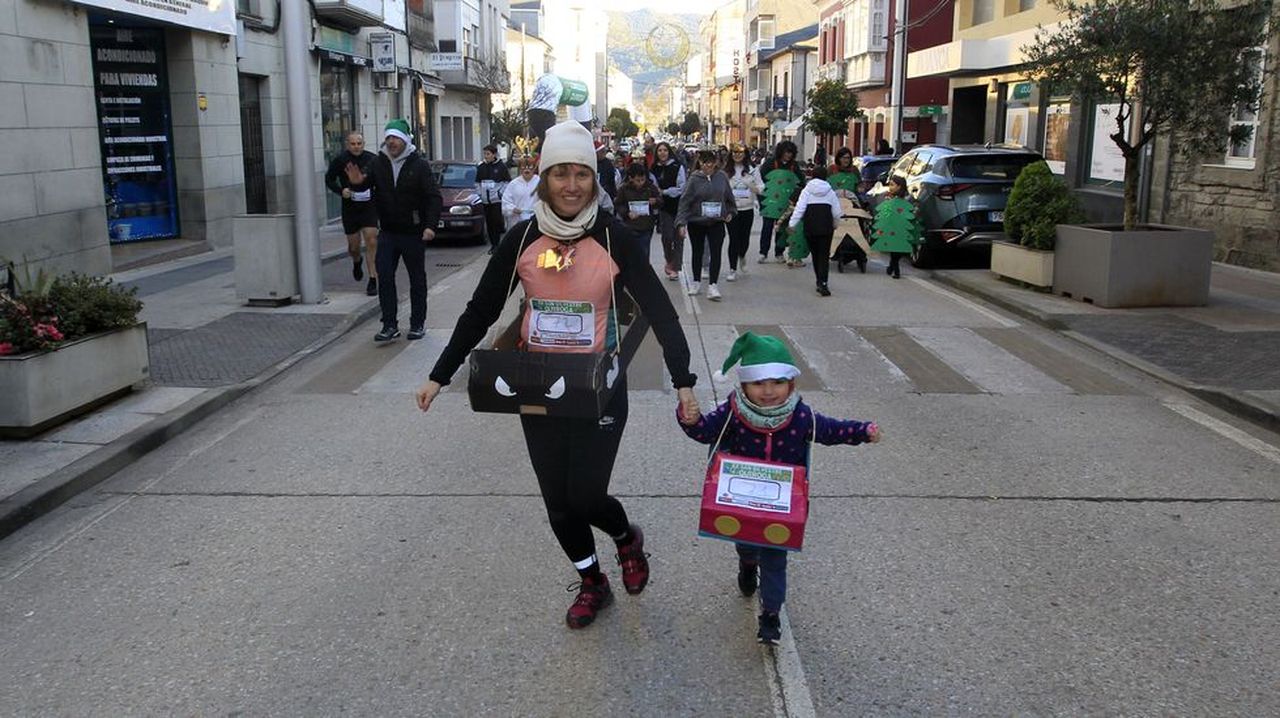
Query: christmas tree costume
[[845, 180], [897, 227], [797, 246], [779, 185]]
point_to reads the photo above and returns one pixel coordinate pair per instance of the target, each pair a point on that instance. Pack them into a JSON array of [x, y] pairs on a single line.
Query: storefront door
[[337, 118], [131, 89]]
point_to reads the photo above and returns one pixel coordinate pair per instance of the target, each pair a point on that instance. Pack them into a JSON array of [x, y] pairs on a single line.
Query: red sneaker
[[593, 595], [634, 562]]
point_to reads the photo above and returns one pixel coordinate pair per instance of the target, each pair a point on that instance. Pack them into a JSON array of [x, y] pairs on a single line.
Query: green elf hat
[[397, 128], [761, 357]]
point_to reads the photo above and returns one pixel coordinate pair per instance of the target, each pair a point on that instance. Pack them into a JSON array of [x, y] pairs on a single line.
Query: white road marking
[[1002, 321], [1249, 442], [173, 468], [786, 677]]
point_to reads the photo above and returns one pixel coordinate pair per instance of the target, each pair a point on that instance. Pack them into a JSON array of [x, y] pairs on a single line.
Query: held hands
[[426, 394], [346, 193], [873, 433], [690, 412]]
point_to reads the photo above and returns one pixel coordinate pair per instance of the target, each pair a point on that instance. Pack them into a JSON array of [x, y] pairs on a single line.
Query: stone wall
[[52, 212], [1240, 205]]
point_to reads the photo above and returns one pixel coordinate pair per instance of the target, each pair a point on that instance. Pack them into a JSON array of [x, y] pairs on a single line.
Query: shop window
[[1020, 99], [1106, 162], [1243, 152], [1056, 126]]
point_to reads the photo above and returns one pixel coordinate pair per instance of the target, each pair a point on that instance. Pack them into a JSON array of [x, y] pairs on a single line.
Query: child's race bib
[[712, 210], [639, 209], [742, 192], [362, 196]]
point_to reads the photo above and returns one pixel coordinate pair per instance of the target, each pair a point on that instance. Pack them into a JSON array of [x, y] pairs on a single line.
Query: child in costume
[[765, 419], [897, 227]]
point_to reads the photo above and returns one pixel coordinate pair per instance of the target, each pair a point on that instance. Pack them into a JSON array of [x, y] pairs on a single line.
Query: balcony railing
[[832, 71], [478, 76]]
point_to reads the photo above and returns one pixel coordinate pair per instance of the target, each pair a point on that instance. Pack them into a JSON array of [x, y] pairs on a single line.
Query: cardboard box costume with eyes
[[571, 341]]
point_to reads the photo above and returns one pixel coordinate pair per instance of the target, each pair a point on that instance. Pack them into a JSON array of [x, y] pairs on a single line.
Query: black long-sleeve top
[[634, 274], [409, 203]]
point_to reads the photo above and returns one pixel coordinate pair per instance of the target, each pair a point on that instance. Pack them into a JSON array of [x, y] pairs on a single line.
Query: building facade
[[763, 21]]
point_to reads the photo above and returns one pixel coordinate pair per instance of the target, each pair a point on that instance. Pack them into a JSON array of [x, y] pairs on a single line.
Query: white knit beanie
[[567, 143]]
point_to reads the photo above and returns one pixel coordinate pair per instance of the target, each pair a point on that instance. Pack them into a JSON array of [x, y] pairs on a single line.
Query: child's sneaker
[[713, 292], [770, 629], [748, 577], [732, 276], [694, 287], [634, 562], [593, 595]]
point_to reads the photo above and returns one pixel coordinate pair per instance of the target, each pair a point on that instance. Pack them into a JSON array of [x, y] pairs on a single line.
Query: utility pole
[[899, 90], [296, 26], [524, 100]]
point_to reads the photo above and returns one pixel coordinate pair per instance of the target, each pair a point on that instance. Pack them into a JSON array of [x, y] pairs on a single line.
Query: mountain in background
[[628, 32]]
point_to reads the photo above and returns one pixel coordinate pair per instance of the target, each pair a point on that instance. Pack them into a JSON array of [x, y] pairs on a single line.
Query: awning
[[793, 127]]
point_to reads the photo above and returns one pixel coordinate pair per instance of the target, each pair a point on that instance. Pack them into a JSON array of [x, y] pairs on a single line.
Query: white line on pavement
[[173, 468], [787, 685], [1002, 321], [1255, 445]]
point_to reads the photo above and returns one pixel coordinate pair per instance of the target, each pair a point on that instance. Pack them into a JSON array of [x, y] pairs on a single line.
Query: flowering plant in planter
[[44, 314]]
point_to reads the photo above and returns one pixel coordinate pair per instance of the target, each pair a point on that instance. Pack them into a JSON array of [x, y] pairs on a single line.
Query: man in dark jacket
[[492, 177], [408, 203], [359, 218]]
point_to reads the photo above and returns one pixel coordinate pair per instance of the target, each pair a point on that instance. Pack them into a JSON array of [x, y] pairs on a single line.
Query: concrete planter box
[[42, 389], [266, 258], [1033, 266], [1151, 266]]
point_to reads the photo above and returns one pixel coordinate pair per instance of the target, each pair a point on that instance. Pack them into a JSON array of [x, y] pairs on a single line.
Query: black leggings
[[740, 236], [573, 459], [700, 235], [820, 248]]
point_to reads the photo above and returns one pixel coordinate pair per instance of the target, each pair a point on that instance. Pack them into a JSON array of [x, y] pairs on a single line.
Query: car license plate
[[997, 216], [460, 223]]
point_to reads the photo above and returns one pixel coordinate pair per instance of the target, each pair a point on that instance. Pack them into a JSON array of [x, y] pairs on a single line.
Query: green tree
[[1172, 66], [690, 124], [1039, 203], [507, 124], [831, 106], [621, 124]]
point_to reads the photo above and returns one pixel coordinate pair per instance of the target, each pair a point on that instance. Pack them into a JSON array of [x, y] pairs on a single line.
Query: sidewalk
[[207, 349], [1227, 353]]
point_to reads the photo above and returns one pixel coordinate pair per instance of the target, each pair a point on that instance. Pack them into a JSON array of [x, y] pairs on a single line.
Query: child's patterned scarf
[[765, 418]]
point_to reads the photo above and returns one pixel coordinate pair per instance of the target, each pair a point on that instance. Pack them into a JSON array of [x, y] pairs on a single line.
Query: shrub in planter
[[1038, 203], [43, 313]]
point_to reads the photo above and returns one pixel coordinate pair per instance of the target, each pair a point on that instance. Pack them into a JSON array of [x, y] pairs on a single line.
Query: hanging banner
[[210, 15]]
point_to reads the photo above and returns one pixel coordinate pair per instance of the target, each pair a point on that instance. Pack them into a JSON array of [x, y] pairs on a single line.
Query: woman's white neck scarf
[[565, 230]]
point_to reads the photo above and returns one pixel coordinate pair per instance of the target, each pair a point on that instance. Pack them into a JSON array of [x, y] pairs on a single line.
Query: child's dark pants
[[773, 574]]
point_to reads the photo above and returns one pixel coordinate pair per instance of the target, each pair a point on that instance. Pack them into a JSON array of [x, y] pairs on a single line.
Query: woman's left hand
[[690, 412]]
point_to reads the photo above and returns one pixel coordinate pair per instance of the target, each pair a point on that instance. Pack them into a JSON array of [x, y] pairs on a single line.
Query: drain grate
[[447, 264]]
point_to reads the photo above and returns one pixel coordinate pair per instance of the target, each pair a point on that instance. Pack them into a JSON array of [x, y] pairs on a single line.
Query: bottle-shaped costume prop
[[897, 227]]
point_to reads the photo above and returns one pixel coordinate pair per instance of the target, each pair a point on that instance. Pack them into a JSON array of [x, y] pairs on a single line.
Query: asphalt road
[[1041, 532]]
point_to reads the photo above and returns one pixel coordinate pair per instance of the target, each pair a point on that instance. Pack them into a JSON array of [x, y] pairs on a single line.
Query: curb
[[1230, 400], [48, 493]]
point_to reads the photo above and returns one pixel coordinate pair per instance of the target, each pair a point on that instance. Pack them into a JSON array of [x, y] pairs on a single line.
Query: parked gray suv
[[961, 192]]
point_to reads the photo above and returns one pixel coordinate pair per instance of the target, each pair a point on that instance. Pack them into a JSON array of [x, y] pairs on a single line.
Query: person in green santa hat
[[765, 419], [897, 227]]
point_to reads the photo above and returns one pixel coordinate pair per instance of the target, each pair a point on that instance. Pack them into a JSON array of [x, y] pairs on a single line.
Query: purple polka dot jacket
[[787, 444]]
